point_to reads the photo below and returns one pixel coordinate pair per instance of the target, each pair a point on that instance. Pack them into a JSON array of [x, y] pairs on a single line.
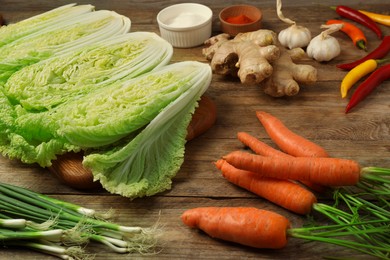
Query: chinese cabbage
[[37, 91], [132, 131], [86, 84], [147, 163], [41, 22], [66, 36], [46, 84]]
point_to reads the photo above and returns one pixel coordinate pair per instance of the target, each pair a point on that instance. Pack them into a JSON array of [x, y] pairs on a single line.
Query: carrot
[[244, 225], [262, 148], [287, 140], [258, 146], [315, 186], [261, 228], [284, 193], [324, 171]]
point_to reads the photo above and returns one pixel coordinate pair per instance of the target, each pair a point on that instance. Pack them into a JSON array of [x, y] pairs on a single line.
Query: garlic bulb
[[324, 47], [294, 36]]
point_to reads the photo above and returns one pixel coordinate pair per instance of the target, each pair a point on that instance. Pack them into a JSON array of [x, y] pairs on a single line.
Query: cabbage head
[[132, 131]]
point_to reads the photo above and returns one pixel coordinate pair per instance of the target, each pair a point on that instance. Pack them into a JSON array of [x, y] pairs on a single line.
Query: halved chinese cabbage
[[42, 22], [47, 84], [147, 162], [68, 35], [133, 131]]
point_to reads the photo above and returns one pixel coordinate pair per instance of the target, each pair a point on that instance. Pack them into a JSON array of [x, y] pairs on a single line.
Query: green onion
[[10, 223], [23, 210], [13, 223], [68, 253], [54, 235]]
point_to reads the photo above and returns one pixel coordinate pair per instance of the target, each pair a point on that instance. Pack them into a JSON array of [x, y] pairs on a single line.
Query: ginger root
[[247, 56], [286, 76], [257, 58]]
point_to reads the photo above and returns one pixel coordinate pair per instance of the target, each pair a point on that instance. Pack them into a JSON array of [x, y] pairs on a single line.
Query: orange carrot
[[287, 140], [324, 171], [264, 149], [258, 146], [244, 225], [284, 193], [315, 186]]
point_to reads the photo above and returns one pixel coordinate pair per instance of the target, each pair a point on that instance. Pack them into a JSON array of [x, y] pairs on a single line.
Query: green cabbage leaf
[[42, 22], [39, 99], [59, 79], [68, 35], [146, 164]]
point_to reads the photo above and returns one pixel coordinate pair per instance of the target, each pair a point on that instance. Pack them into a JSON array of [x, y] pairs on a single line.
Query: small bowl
[[251, 12], [185, 25]]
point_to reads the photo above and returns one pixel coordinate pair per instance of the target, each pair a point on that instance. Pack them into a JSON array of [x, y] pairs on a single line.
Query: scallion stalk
[[67, 224], [67, 253], [13, 223], [54, 235]]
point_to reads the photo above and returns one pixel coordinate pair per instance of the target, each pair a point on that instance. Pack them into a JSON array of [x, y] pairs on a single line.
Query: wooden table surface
[[317, 113]]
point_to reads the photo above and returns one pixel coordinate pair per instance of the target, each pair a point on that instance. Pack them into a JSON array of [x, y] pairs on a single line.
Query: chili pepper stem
[[382, 61], [361, 45]]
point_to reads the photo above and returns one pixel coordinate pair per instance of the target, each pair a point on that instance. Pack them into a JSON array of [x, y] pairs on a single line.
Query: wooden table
[[317, 113]]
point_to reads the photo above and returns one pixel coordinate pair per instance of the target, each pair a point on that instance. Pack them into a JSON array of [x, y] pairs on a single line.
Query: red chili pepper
[[359, 17], [368, 85], [380, 52]]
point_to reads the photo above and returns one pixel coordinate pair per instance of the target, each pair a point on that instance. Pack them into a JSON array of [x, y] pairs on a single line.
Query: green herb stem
[[376, 174], [36, 198], [365, 248], [13, 223], [68, 253], [54, 235], [65, 225]]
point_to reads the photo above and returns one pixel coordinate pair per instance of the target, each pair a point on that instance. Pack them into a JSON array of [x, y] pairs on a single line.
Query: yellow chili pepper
[[379, 18], [355, 74]]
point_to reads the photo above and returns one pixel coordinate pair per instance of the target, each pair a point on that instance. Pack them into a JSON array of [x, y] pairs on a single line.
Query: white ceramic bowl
[[185, 25]]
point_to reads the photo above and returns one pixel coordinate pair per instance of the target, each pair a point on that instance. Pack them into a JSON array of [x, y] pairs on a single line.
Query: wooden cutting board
[[68, 167]]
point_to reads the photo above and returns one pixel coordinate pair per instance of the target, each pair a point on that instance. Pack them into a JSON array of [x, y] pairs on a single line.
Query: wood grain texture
[[317, 113]]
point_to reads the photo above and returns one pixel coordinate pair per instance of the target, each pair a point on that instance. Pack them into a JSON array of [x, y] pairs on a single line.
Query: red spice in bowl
[[239, 19]]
